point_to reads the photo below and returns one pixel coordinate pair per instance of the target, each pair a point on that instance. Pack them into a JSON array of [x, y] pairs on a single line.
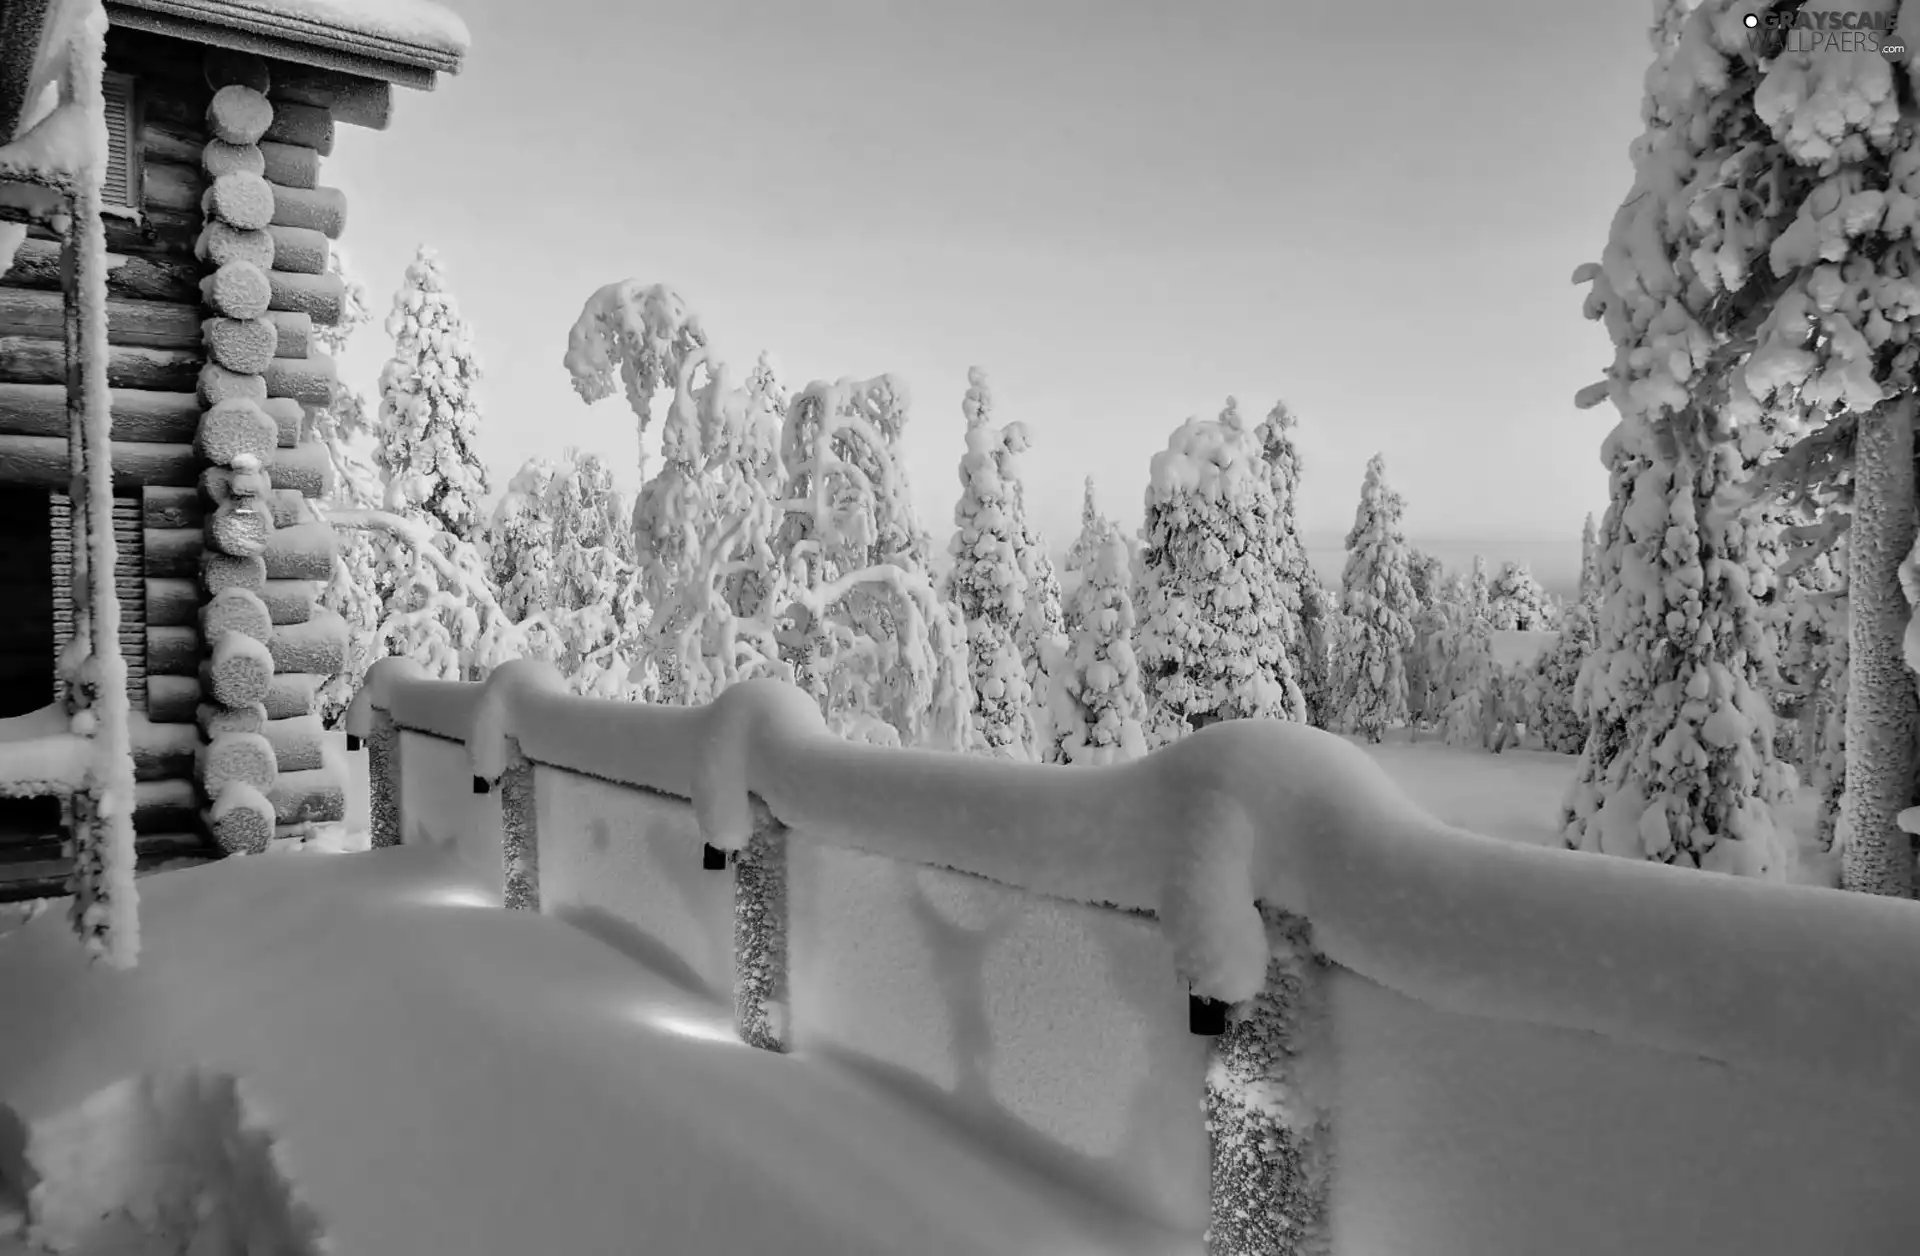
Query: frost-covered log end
[[239, 114], [239, 671], [241, 819], [235, 428], [236, 610], [247, 758]]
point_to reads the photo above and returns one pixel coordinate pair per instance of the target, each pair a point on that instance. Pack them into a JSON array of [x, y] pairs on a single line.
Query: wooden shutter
[[122, 186], [129, 578]]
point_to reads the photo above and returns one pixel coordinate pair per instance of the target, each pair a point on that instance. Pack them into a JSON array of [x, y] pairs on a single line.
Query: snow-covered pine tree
[[1043, 624], [1589, 559], [1097, 704], [988, 584], [1679, 765], [1377, 596], [1518, 603], [1480, 589], [1212, 644], [1429, 585], [1092, 539], [1299, 583], [429, 414], [345, 428]]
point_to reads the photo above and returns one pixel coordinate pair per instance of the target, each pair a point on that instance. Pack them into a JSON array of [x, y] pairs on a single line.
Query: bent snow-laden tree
[[1738, 308], [777, 543], [1212, 645], [1377, 595], [1517, 602]]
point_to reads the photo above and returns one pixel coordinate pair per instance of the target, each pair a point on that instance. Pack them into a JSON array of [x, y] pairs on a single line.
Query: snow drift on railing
[[1723, 967]]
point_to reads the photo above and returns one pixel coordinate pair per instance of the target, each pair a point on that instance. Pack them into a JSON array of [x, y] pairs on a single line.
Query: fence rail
[[1270, 856]]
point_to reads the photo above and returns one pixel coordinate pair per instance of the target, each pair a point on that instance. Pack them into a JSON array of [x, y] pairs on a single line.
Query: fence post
[[1271, 1146], [383, 778], [760, 934], [520, 831]]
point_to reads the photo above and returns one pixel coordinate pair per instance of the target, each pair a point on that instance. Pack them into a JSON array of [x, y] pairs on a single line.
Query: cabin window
[[122, 187]]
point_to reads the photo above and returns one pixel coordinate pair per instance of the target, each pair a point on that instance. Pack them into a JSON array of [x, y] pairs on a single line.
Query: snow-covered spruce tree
[[346, 428], [429, 415], [1429, 585], [1092, 538], [1480, 588], [1043, 622], [1377, 596], [1720, 289], [1212, 642], [519, 540], [1097, 704], [988, 585], [1589, 560], [778, 545], [1518, 603], [1300, 584], [1553, 708]]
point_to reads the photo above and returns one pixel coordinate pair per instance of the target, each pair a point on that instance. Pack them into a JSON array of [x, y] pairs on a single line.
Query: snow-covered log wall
[[1441, 1042]]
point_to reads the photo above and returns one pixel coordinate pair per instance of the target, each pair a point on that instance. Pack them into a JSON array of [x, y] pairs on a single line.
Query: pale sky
[[1124, 211]]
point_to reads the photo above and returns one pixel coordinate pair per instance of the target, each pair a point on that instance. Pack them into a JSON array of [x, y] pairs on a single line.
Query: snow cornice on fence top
[[1745, 972]]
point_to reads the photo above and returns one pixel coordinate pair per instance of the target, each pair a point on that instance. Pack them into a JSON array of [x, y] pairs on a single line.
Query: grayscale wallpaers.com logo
[[1824, 30]]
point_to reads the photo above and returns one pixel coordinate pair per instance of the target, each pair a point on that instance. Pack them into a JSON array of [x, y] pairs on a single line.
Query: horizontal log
[[142, 324], [291, 165], [171, 185], [172, 508], [36, 265], [320, 297], [173, 699], [317, 209], [172, 602], [315, 797], [302, 552], [164, 232], [309, 126], [162, 752], [165, 418], [33, 360], [164, 140], [298, 744], [173, 651], [173, 553], [303, 379], [291, 694], [306, 468], [299, 250], [42, 462], [165, 805]]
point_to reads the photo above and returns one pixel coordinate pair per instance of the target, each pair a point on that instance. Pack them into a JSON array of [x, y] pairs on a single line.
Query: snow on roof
[[417, 33]]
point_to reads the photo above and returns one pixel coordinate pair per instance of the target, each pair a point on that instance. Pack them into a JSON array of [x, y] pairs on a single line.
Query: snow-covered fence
[[1505, 1048]]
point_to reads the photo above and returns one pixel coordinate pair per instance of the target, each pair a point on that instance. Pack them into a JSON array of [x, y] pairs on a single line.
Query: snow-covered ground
[[443, 1077], [362, 1046]]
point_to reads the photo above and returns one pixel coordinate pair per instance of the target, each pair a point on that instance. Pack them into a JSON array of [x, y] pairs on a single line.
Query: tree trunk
[[1878, 858]]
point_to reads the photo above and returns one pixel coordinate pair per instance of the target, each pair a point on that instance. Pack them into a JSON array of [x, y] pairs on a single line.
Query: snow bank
[[1753, 974], [625, 866], [1040, 1025], [445, 1078], [1464, 1136], [443, 812], [173, 1162]]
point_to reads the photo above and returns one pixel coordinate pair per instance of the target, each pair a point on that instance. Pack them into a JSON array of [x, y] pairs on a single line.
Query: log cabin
[[219, 226]]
